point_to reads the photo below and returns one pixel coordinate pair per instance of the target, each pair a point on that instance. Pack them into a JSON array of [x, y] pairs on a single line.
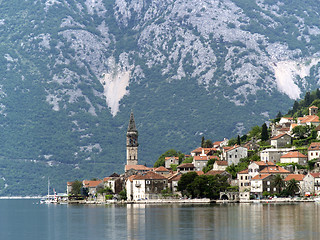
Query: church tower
[[132, 142]]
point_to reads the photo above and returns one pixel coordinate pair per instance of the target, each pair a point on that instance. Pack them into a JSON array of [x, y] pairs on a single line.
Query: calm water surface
[[25, 220]]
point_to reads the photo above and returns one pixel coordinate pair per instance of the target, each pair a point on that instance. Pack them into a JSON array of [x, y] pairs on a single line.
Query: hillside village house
[[186, 167], [203, 151], [200, 162], [314, 151], [294, 157], [162, 171], [234, 154], [220, 165], [171, 160], [280, 141], [273, 154]]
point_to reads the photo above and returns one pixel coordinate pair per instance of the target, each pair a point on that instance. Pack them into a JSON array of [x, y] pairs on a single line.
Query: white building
[[273, 155], [314, 151], [294, 157], [234, 154]]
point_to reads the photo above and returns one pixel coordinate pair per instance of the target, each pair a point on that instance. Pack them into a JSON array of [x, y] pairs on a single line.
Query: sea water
[[28, 220]]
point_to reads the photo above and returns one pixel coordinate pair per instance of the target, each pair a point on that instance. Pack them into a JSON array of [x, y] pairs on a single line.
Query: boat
[[49, 199]]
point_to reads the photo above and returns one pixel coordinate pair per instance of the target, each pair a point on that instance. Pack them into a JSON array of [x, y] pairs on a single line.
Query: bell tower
[[132, 142]]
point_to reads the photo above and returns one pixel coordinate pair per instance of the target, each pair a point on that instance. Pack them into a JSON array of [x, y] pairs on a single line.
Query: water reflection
[[22, 220], [238, 221]]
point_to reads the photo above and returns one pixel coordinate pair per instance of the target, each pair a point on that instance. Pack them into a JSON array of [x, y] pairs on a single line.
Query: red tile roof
[[149, 175], [294, 154], [200, 173], [233, 147], [274, 169], [69, 183], [221, 163], [161, 169], [314, 146], [309, 118], [137, 167], [200, 158], [88, 183], [278, 136], [214, 172], [297, 177], [313, 107], [261, 163], [175, 177], [186, 165], [260, 176], [246, 171], [106, 179], [214, 157], [206, 150], [166, 158], [315, 175]]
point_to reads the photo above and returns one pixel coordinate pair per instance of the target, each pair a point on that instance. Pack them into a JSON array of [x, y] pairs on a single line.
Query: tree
[[209, 166], [76, 188], [255, 132], [264, 132], [295, 107], [169, 153], [202, 141], [238, 140], [292, 187], [278, 117], [123, 194], [185, 180], [318, 93], [307, 99], [278, 182], [207, 144]]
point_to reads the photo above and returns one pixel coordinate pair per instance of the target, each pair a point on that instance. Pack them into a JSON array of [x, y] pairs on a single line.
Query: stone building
[[234, 154], [280, 141], [171, 160]]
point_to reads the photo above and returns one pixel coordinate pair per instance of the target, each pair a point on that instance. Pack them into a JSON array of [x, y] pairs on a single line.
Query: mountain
[[71, 71]]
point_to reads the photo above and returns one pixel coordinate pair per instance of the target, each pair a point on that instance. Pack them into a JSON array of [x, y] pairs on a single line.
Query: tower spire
[[132, 124], [132, 142]]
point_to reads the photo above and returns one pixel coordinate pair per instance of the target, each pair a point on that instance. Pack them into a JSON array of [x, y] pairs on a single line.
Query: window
[[241, 177], [274, 189], [235, 156], [268, 189], [147, 182], [268, 183]]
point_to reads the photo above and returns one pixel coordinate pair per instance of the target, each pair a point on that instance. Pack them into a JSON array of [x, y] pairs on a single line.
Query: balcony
[[137, 185]]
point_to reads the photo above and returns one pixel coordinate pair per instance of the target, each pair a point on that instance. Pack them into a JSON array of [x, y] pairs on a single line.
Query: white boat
[[49, 199]]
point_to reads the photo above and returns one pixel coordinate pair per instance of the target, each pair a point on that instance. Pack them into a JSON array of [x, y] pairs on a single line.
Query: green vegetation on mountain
[[186, 80]]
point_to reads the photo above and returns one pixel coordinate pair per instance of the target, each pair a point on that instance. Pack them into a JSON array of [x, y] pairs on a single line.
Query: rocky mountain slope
[[71, 71]]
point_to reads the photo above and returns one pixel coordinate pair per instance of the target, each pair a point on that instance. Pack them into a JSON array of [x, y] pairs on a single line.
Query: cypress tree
[[202, 141], [264, 132]]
